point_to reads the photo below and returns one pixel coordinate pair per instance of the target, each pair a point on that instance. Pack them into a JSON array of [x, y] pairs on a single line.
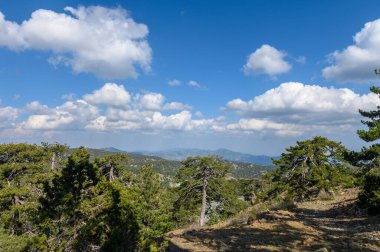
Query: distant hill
[[170, 167], [180, 154]]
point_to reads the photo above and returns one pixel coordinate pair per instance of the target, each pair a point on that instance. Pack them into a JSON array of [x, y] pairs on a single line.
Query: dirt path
[[336, 225]]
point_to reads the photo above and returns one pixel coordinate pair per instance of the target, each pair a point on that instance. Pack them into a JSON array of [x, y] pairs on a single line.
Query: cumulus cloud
[[70, 115], [298, 97], [8, 116], [110, 94], [152, 101], [113, 108], [356, 63], [266, 60], [147, 120], [195, 84], [249, 125], [103, 41], [37, 107], [296, 108], [177, 106]]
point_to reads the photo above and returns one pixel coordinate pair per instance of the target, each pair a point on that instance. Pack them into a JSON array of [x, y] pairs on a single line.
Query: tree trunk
[[204, 202], [110, 175], [53, 161], [253, 198]]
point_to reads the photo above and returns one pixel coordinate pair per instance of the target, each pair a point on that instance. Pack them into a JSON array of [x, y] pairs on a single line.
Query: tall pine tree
[[201, 182], [370, 156]]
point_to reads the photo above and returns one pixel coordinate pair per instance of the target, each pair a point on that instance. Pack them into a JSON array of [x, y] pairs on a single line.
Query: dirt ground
[[335, 225]]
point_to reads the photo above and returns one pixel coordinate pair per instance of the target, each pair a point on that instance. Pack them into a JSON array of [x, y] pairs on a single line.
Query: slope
[[336, 225]]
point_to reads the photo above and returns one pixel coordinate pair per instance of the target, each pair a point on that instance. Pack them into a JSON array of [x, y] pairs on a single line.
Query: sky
[[250, 76]]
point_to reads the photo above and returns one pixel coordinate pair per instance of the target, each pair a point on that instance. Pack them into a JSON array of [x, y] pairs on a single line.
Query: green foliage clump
[[370, 195]]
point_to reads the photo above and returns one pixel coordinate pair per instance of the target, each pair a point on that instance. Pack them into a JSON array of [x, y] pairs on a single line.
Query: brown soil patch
[[335, 225]]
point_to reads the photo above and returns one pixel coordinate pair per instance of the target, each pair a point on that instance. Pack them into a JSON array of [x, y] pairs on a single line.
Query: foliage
[[150, 199], [370, 195], [369, 158], [311, 166], [373, 123], [248, 188], [203, 185], [111, 166], [57, 153], [22, 172], [82, 211]]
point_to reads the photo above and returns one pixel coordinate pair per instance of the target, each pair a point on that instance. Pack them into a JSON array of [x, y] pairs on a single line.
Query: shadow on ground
[[336, 229]]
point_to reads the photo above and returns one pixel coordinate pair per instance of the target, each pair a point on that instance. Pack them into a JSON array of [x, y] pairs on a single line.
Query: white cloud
[[266, 60], [298, 97], [70, 115], [117, 119], [37, 107], [176, 106], [152, 101], [110, 94], [11, 35], [295, 107], [8, 116], [49, 122], [357, 62], [103, 41], [195, 84], [112, 108], [174, 83], [253, 124]]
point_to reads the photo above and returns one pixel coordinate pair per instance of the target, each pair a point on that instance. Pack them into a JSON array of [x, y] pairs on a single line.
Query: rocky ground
[[334, 225]]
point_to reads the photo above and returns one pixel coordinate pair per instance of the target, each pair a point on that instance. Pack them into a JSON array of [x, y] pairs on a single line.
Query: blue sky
[[252, 76]]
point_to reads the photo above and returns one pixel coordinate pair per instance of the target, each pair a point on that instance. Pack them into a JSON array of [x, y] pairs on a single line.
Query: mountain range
[[167, 162], [181, 154]]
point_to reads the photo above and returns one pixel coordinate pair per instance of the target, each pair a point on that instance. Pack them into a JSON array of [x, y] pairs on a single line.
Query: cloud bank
[[289, 110], [295, 108]]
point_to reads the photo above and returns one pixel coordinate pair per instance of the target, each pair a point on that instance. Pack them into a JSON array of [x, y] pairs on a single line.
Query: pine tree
[[111, 166], [201, 181], [151, 202], [23, 170], [373, 124], [311, 166], [59, 207], [370, 157], [57, 153]]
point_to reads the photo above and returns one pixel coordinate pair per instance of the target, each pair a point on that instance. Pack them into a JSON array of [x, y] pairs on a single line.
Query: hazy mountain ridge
[[180, 154], [170, 167]]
